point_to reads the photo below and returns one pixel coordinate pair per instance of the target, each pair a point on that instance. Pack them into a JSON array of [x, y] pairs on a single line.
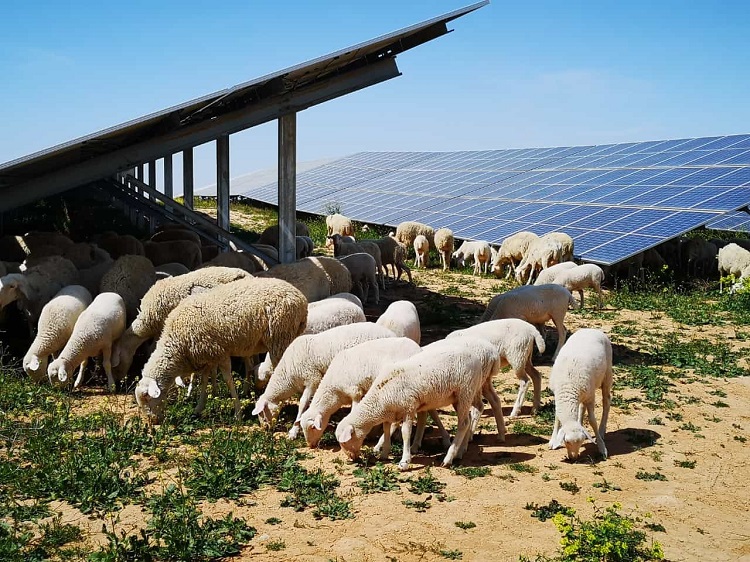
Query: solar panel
[[738, 221], [614, 200]]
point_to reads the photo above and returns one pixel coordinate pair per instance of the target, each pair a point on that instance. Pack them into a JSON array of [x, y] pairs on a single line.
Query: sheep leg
[[595, 427], [303, 403], [107, 363], [421, 424], [406, 438], [580, 293], [488, 391], [555, 428], [377, 289], [561, 334], [580, 413], [81, 369], [226, 372], [523, 385], [536, 379], [443, 432], [204, 374], [475, 413], [383, 447], [606, 400]]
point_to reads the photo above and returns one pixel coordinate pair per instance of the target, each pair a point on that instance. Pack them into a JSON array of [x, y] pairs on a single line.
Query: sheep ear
[[34, 363], [259, 406], [153, 389], [590, 438], [558, 440], [346, 434], [62, 374], [179, 382], [317, 423], [196, 290]]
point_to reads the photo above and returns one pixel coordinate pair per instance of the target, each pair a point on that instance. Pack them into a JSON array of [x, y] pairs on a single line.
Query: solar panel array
[[736, 222], [614, 200]]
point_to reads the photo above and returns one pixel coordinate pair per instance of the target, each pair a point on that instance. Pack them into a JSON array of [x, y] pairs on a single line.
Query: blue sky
[[512, 74]]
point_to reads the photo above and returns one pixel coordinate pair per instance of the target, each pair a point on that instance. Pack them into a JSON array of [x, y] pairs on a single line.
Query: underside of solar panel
[[614, 200]]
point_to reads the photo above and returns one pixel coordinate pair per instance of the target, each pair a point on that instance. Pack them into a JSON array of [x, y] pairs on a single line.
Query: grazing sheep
[[515, 340], [91, 277], [586, 276], [534, 303], [241, 260], [565, 241], [130, 277], [182, 251], [542, 253], [270, 236], [444, 246], [344, 249], [448, 372], [56, 324], [407, 231], [304, 363], [402, 319], [338, 276], [511, 252], [317, 278], [239, 319], [339, 224], [346, 239], [583, 366], [421, 251], [36, 285], [549, 275], [480, 250], [394, 254], [363, 270], [120, 245], [95, 330], [733, 260]]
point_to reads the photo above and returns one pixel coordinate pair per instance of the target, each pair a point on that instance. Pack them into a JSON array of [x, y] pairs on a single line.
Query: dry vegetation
[[81, 477]]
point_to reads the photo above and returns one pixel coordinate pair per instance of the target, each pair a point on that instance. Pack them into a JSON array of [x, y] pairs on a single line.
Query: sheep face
[[9, 292], [57, 372], [573, 437], [149, 398], [35, 367], [350, 442], [266, 411], [312, 427]]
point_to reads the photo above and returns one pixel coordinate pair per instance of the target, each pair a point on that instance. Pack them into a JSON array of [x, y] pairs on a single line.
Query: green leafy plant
[[425, 484], [544, 512], [465, 525], [420, 506], [275, 546], [571, 487], [452, 554], [643, 475], [686, 464], [472, 472], [379, 478], [313, 489]]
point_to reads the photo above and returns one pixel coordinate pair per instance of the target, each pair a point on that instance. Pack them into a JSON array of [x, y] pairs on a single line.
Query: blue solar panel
[[735, 221]]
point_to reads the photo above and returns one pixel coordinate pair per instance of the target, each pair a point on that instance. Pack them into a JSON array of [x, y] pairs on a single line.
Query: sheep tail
[[540, 345]]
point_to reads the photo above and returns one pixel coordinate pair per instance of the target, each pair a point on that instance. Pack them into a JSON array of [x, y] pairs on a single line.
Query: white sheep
[[444, 246], [480, 250], [95, 330], [586, 276], [130, 277], [238, 319], [535, 304], [316, 277], [448, 372], [341, 249], [339, 224], [421, 251], [583, 366], [56, 324], [304, 363], [515, 340], [402, 318], [542, 253], [346, 239], [567, 244], [407, 231], [363, 270], [733, 260], [549, 275], [511, 252]]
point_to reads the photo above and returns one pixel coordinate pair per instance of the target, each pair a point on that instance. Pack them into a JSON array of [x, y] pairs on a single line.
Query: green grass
[[451, 554], [544, 512], [648, 476], [472, 472], [686, 464], [425, 484], [379, 478], [276, 546], [606, 486], [465, 525], [571, 487], [313, 489], [418, 505]]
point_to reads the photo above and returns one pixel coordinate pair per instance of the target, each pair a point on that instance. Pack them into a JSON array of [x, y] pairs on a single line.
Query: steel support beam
[[287, 186], [205, 131], [187, 177], [168, 176], [222, 182]]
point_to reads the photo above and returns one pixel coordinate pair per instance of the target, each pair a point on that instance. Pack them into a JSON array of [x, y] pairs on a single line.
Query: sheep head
[[312, 427], [149, 397], [573, 436], [350, 441], [35, 367]]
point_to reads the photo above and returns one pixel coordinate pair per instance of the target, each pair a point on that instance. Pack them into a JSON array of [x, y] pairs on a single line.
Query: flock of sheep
[[201, 308]]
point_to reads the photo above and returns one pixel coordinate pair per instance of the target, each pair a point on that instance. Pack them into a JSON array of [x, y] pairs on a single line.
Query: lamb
[[549, 275], [36, 285], [481, 252], [394, 254], [95, 330], [349, 377], [344, 249], [583, 366], [542, 253], [534, 303], [312, 277], [270, 236], [338, 276], [183, 251], [337, 310], [304, 363], [444, 246], [586, 276], [161, 299], [56, 324], [421, 251], [362, 268], [402, 319], [515, 340], [407, 231], [339, 224], [346, 239], [511, 252], [238, 319], [242, 260], [733, 260], [448, 372], [130, 277]]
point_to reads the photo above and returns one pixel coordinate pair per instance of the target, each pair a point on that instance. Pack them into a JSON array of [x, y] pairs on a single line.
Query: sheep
[[402, 319], [305, 246], [339, 224], [448, 372], [337, 310], [479, 249], [209, 252], [583, 366], [238, 319], [182, 251], [696, 256], [307, 275], [346, 239], [130, 277], [542, 253], [534, 303], [344, 249], [91, 277], [515, 340], [511, 252], [95, 330], [549, 275], [36, 285], [177, 234], [269, 256], [242, 260], [567, 244], [362, 268], [85, 255], [407, 231], [161, 299], [338, 275], [120, 245], [394, 254], [173, 269], [349, 377], [444, 246], [733, 259], [270, 236], [581, 277], [305, 362], [35, 240], [421, 251], [56, 324]]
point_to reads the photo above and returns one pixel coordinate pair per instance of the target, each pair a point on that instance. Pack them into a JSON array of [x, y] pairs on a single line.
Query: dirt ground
[[703, 509]]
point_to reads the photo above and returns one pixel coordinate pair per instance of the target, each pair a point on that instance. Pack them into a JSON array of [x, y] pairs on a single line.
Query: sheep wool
[[339, 224], [130, 277], [512, 251], [402, 318], [444, 245]]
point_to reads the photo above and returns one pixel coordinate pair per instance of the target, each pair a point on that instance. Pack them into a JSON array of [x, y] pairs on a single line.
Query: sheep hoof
[[293, 432], [403, 465]]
